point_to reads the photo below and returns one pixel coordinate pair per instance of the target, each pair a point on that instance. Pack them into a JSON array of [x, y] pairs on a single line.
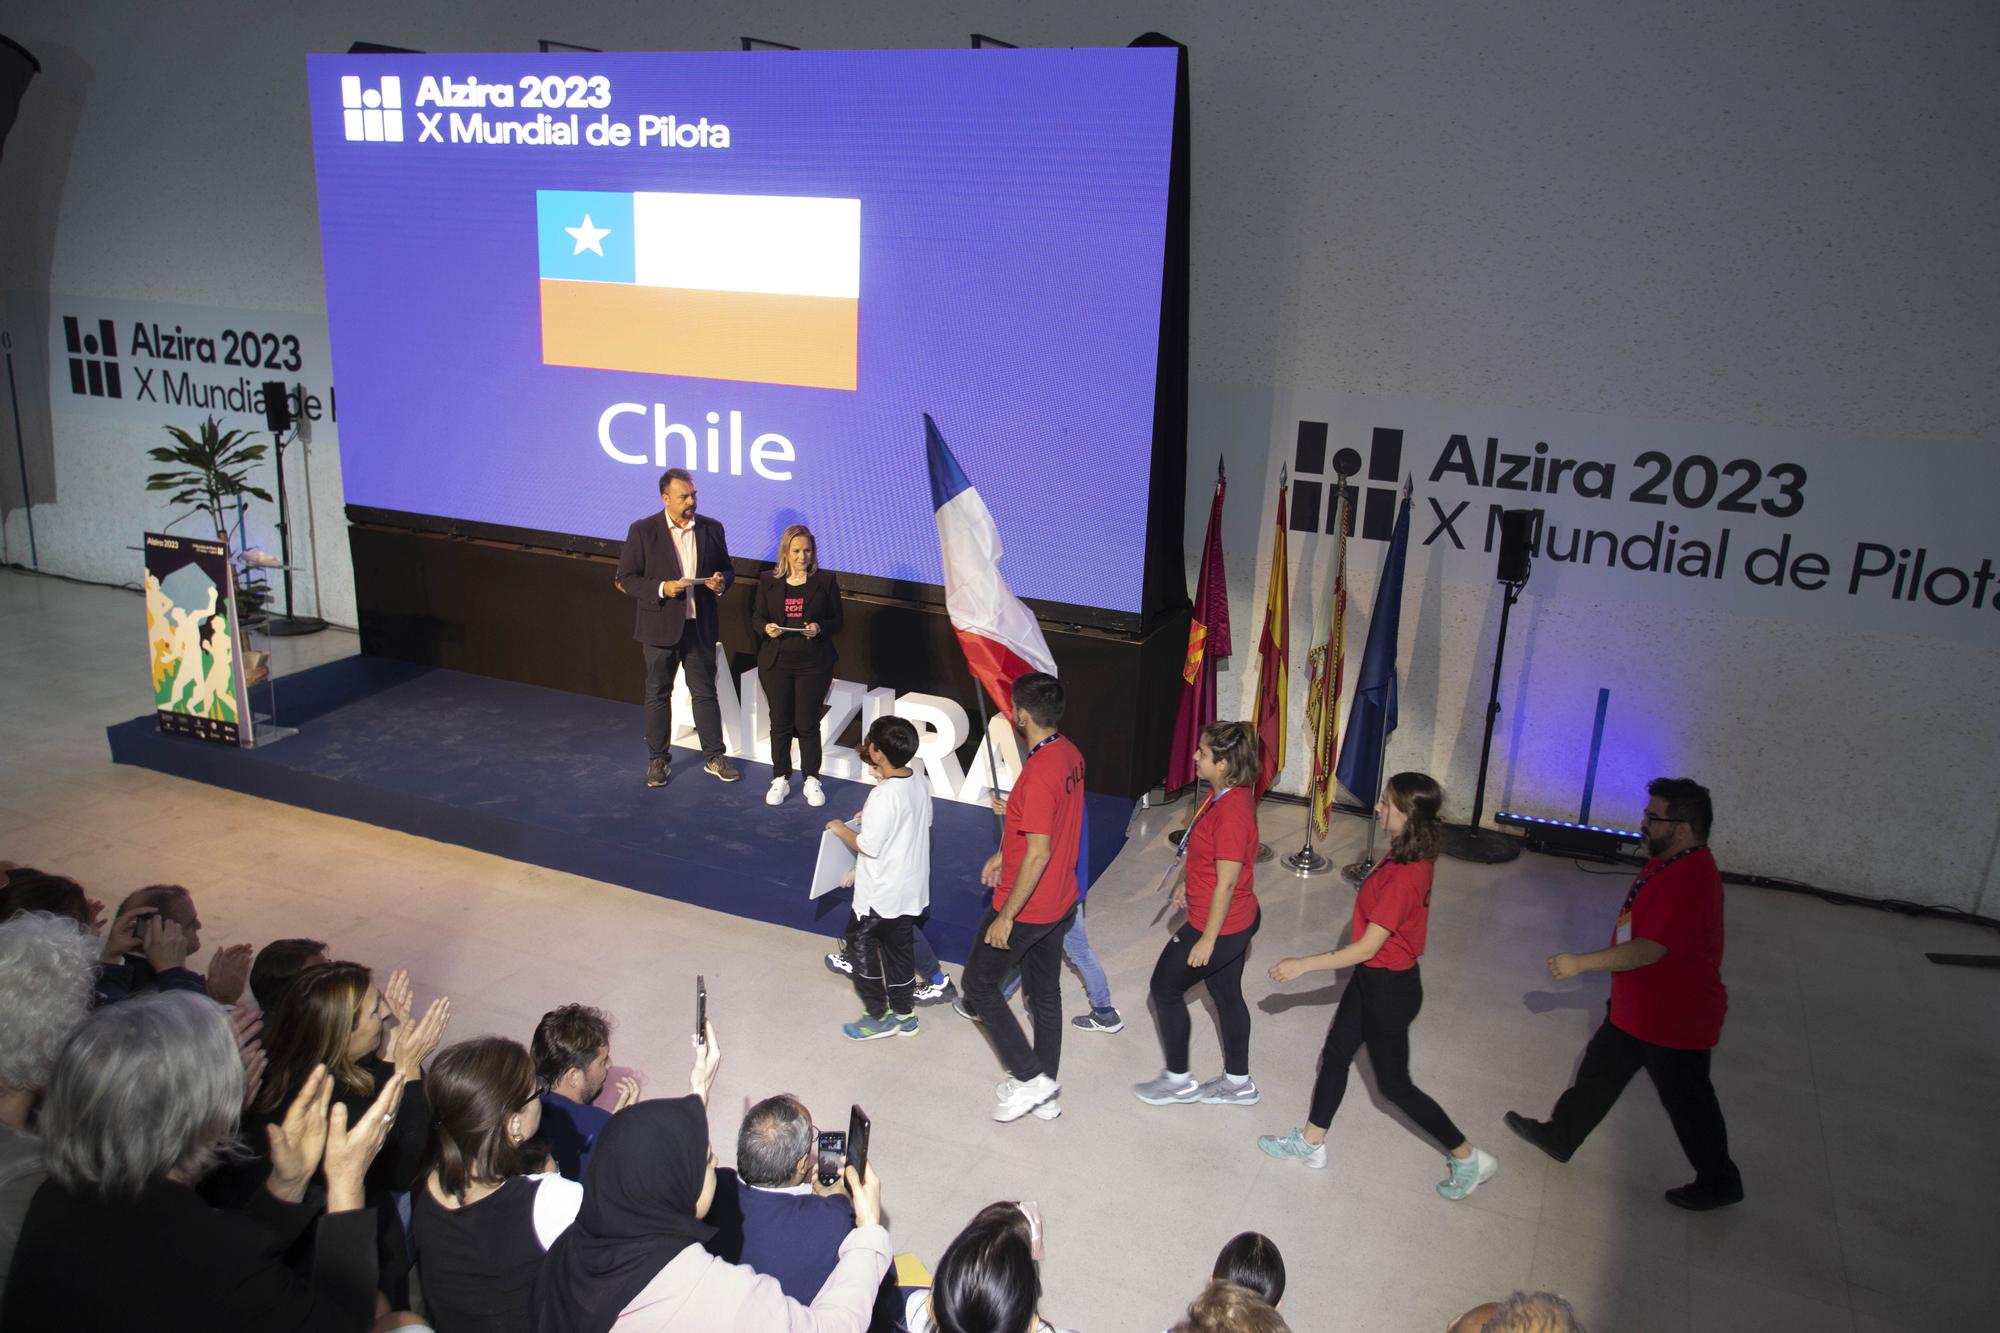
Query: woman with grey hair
[[47, 966], [143, 1100]]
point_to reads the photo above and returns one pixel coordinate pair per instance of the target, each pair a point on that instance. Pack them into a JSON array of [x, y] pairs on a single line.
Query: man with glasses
[[1667, 1001]]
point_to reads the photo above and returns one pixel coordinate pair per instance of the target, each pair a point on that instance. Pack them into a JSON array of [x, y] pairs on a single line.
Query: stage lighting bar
[[1564, 837]]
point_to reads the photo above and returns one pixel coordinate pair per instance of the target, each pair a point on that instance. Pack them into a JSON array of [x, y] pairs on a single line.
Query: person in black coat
[[142, 1099], [795, 616], [675, 565]]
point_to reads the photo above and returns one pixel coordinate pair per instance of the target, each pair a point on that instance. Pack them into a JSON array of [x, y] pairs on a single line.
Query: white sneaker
[[1049, 1110], [1018, 1098], [780, 789], [815, 795]]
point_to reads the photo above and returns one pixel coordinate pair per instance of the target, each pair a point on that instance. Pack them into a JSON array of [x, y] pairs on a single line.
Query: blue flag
[[1372, 716]]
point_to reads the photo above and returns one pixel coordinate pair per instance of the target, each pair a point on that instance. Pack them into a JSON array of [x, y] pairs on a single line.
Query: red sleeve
[[1401, 896], [1236, 831], [1033, 806]]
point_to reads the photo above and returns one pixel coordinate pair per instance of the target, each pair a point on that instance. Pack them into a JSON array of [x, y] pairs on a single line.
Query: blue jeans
[[1076, 948]]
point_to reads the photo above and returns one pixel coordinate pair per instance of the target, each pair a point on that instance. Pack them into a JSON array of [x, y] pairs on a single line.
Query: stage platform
[[557, 779]]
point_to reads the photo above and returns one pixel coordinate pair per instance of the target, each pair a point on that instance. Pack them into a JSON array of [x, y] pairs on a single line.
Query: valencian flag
[[764, 288], [1323, 691], [1001, 638], [1373, 715], [1274, 652], [1208, 643]]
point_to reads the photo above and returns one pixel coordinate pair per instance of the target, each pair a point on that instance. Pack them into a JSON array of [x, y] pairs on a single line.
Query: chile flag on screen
[[1000, 636]]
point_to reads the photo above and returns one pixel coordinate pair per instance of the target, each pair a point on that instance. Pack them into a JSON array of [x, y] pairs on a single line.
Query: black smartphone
[[858, 1127], [701, 1009], [828, 1150]]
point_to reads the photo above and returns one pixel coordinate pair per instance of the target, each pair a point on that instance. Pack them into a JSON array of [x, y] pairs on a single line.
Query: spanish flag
[[763, 288]]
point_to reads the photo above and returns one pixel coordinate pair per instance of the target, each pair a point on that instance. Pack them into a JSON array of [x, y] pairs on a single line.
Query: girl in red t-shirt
[[1220, 852], [1391, 919]]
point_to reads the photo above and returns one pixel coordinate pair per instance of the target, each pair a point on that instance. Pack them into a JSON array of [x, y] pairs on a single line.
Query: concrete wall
[[1726, 217]]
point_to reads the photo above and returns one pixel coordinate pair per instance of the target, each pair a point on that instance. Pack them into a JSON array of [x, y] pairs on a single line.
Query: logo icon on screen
[[374, 115], [92, 370]]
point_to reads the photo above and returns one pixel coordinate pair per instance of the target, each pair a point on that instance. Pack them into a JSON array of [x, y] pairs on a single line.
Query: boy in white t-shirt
[[892, 880]]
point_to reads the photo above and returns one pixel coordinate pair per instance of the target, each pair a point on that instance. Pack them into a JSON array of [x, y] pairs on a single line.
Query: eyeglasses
[[1651, 818]]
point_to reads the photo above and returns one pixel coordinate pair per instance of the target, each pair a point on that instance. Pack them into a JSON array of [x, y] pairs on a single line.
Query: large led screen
[[551, 277]]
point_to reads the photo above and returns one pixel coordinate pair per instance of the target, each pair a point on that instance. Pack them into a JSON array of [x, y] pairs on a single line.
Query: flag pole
[[1356, 871], [992, 764], [1305, 862]]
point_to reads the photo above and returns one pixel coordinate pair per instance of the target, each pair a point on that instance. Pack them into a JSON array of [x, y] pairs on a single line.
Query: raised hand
[[707, 1059], [414, 1045], [165, 944], [398, 998], [628, 1092], [229, 973], [865, 1188], [350, 1150], [299, 1140], [126, 936]]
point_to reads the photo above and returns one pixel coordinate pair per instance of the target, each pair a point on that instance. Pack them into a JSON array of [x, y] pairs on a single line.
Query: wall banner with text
[[164, 363], [1890, 535]]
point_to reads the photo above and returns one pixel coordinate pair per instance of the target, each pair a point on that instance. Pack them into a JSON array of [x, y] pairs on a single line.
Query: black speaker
[[1518, 530], [278, 408]]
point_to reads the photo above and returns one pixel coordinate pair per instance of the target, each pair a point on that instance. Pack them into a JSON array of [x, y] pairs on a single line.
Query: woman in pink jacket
[[633, 1259]]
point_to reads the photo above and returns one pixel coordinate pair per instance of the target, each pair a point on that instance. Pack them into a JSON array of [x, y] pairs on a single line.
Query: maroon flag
[[1208, 641]]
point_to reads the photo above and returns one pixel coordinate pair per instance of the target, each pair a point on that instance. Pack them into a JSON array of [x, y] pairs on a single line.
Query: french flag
[[1001, 638]]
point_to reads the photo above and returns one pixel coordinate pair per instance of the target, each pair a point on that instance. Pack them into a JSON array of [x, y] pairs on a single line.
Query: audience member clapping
[[479, 1223], [47, 967], [572, 1053], [334, 1018], [277, 963], [1230, 1307], [1523, 1312], [143, 1099], [634, 1259], [989, 1279]]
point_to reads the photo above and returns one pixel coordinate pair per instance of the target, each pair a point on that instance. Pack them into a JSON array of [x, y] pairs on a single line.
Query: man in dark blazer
[[675, 565]]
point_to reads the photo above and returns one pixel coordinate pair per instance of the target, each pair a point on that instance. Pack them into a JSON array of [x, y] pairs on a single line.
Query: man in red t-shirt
[[1033, 878], [1667, 1001]]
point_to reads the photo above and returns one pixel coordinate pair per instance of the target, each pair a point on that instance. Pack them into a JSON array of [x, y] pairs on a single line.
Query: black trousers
[[1223, 972], [881, 947], [1681, 1078], [1038, 952], [697, 649], [923, 958], [1376, 1011], [797, 700]]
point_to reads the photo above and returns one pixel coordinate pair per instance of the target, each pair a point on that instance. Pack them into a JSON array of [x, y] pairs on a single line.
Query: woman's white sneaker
[[780, 789], [815, 795]]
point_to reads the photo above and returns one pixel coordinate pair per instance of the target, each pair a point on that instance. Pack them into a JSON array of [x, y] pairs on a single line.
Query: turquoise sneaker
[[869, 1027], [906, 1024], [1293, 1147], [1467, 1174]]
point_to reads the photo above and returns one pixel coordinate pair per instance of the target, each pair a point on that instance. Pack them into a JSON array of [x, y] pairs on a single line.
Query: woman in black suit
[[795, 615]]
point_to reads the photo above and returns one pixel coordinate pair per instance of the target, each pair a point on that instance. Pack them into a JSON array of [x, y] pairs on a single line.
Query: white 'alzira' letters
[[941, 729]]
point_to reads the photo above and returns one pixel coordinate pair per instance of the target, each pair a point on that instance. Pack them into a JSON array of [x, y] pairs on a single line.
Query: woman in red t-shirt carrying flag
[[1391, 919], [1220, 852]]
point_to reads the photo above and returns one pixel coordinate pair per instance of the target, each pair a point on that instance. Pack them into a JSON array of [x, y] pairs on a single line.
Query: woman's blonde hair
[[785, 548], [1234, 745]]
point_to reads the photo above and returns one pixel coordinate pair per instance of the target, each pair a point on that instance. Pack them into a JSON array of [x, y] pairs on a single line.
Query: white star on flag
[[588, 237]]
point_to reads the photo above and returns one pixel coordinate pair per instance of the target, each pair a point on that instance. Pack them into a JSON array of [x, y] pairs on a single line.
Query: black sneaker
[[935, 992], [837, 962], [656, 772], [722, 768], [1699, 1198], [964, 1010], [1537, 1132]]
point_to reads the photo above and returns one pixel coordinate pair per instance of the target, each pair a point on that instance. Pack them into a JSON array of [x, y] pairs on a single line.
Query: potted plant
[[211, 472]]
